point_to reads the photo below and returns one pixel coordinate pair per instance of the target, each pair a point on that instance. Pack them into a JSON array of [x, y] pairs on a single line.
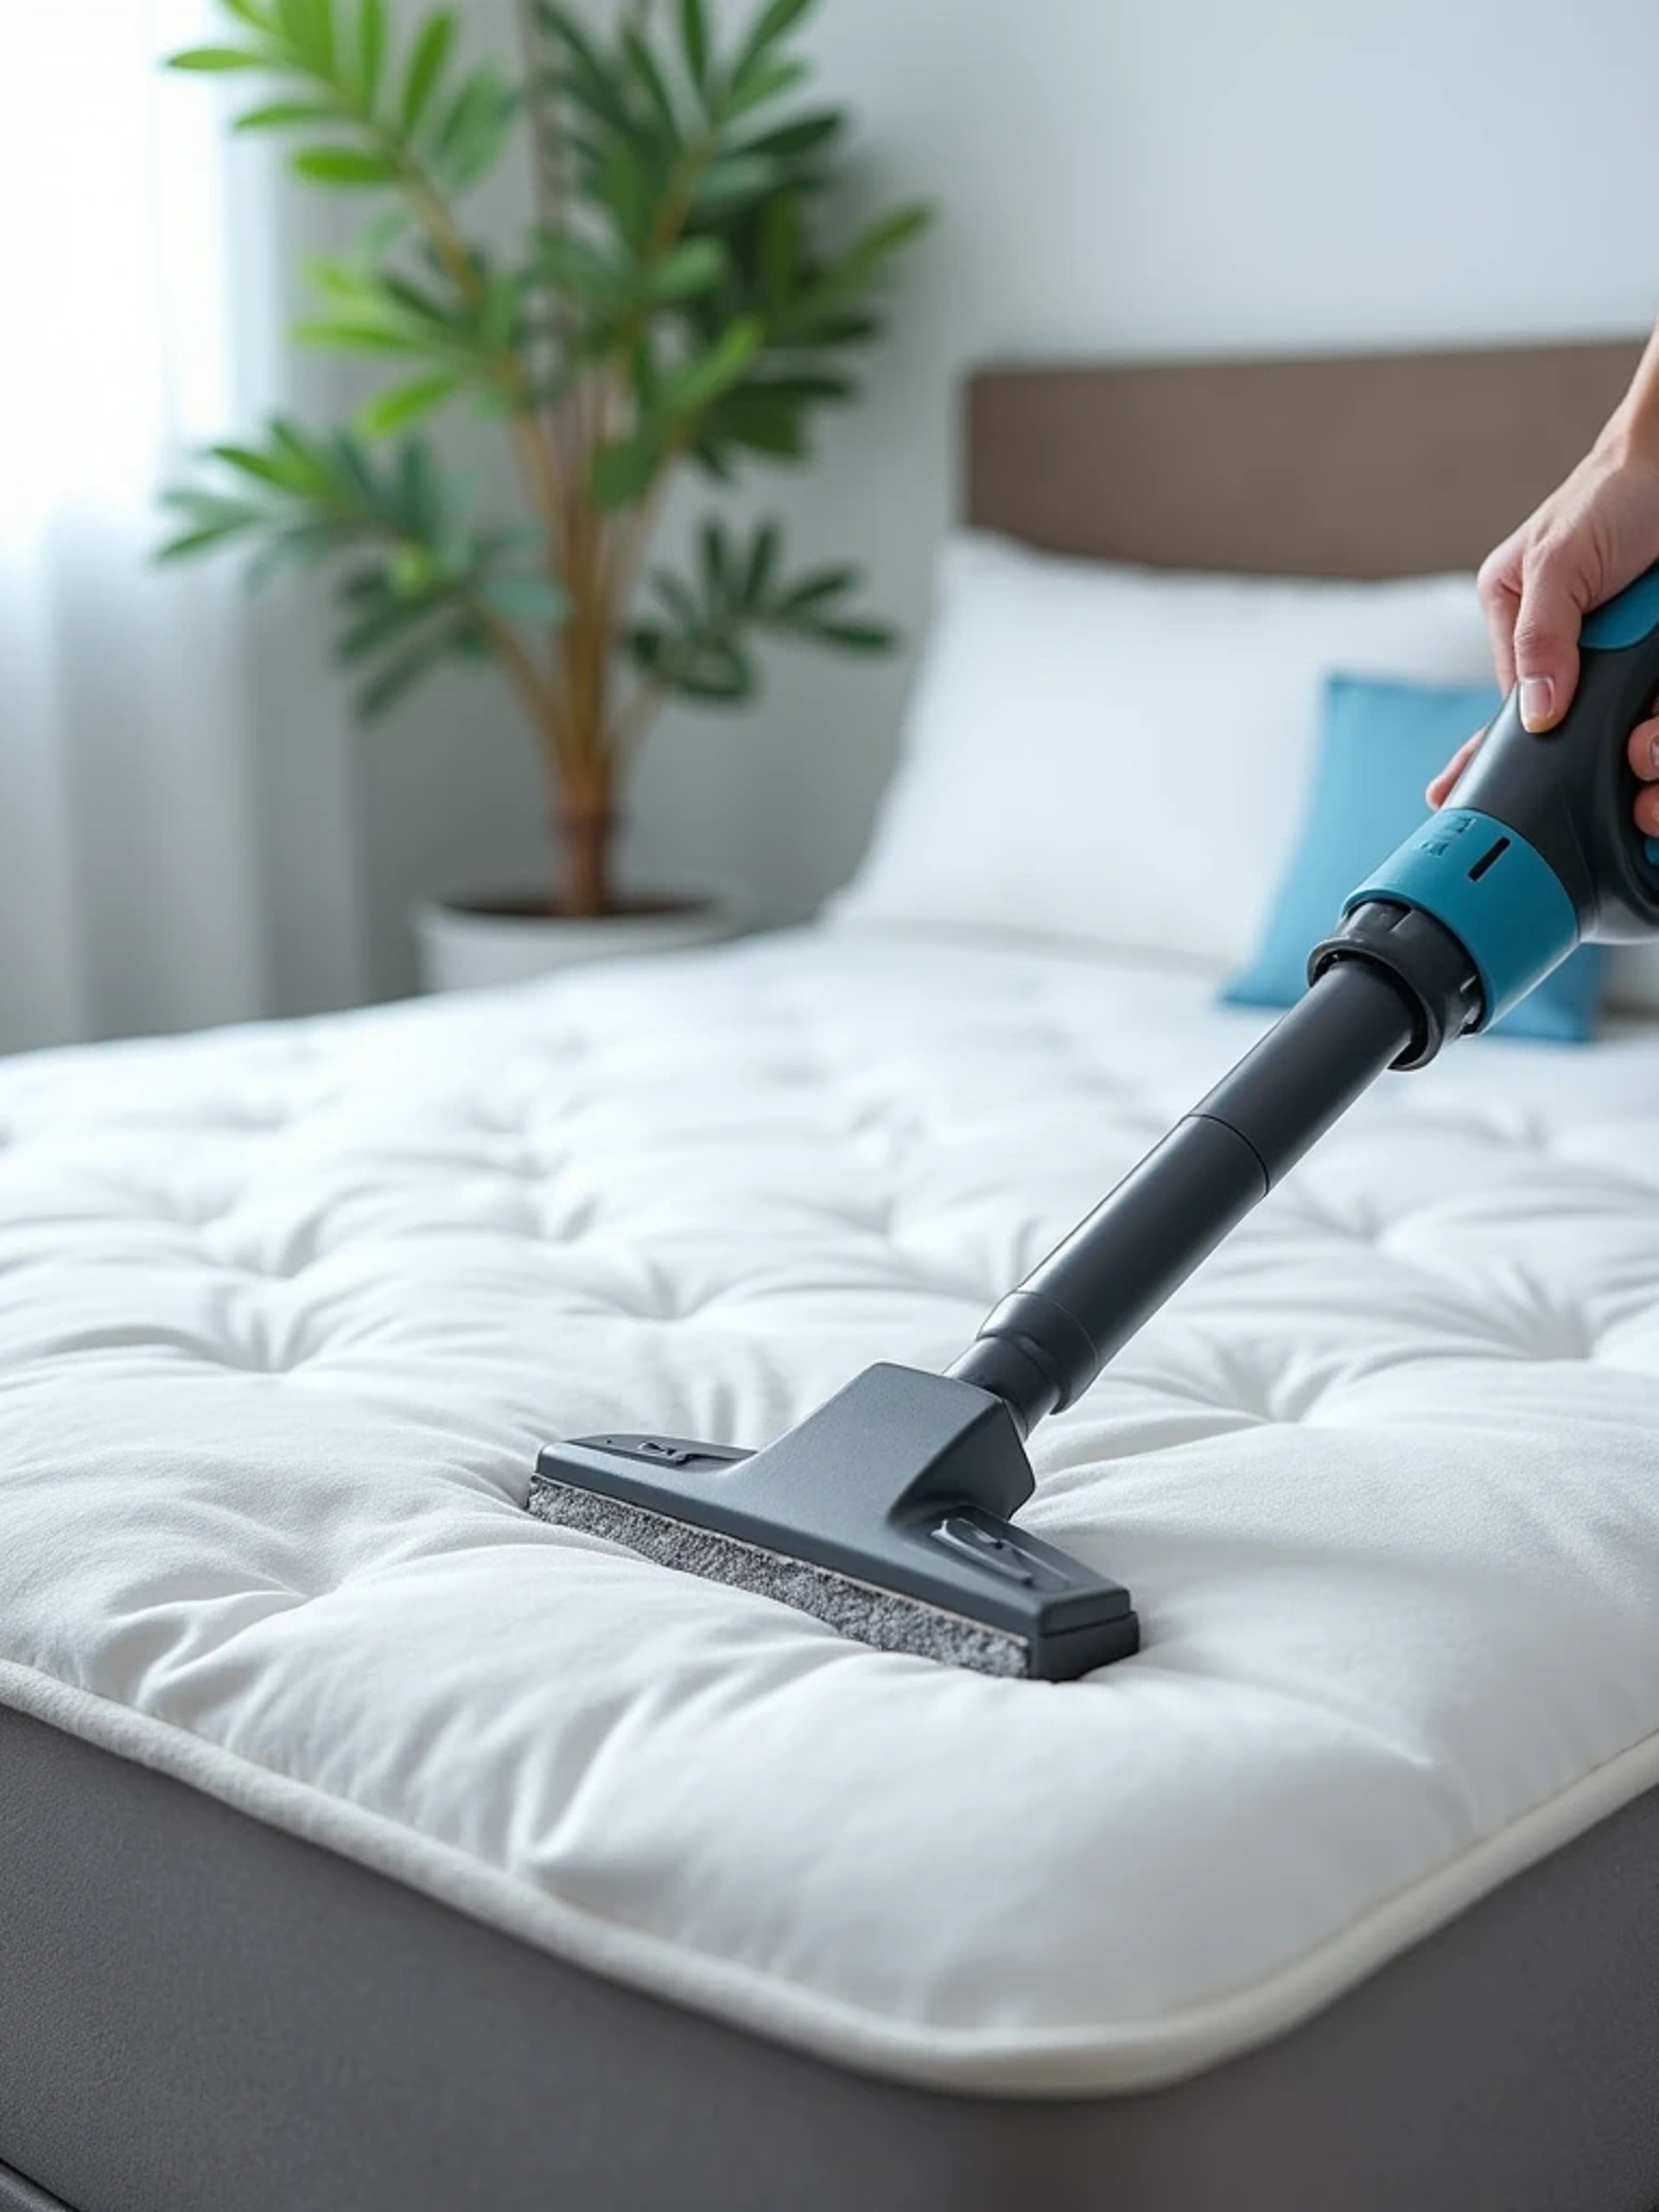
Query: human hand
[[1588, 540]]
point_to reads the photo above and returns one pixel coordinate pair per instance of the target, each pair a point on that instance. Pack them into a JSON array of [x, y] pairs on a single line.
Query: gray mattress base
[[198, 2012]]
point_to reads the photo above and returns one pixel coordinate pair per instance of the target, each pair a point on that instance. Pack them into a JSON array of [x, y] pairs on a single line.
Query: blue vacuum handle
[[1535, 849]]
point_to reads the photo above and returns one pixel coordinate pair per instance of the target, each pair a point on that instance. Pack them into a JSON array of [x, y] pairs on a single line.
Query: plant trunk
[[587, 833], [587, 819]]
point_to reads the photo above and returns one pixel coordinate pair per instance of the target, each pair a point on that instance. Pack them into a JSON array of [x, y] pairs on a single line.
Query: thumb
[[1546, 647]]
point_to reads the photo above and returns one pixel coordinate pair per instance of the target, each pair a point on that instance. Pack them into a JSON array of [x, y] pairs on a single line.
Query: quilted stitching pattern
[[284, 1313]]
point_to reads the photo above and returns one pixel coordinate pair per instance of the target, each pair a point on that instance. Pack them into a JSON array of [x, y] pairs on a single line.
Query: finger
[[1645, 750], [1646, 812], [1546, 645], [1439, 790], [1500, 603]]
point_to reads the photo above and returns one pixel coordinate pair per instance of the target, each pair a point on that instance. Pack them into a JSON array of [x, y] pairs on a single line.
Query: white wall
[[1135, 177]]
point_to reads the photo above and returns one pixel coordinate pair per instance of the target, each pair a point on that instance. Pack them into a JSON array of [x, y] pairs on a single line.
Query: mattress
[[284, 1313], [204, 2012]]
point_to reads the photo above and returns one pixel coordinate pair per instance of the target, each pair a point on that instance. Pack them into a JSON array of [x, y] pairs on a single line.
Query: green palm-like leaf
[[773, 23], [309, 27], [698, 383], [693, 266], [349, 166], [623, 471], [279, 115], [404, 404], [211, 60], [793, 142], [763, 81], [426, 64], [737, 182], [471, 132], [649, 77], [371, 47], [693, 40]]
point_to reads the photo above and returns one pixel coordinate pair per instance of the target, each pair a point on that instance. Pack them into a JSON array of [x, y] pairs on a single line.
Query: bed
[[366, 1843]]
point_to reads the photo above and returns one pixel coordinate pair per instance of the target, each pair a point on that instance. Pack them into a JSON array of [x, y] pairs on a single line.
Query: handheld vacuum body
[[889, 1513]]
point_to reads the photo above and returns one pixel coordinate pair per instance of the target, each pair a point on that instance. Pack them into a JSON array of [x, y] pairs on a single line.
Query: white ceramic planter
[[467, 948]]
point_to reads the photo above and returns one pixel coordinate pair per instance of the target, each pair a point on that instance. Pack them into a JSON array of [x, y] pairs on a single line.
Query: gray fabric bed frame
[[200, 2014]]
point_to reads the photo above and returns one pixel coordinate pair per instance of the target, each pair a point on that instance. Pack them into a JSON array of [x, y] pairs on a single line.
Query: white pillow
[[1122, 755]]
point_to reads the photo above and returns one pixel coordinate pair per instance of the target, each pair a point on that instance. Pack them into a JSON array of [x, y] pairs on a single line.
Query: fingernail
[[1653, 755], [1537, 701]]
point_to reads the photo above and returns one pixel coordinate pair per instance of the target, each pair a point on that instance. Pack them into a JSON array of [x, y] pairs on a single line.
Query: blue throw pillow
[[1380, 745]]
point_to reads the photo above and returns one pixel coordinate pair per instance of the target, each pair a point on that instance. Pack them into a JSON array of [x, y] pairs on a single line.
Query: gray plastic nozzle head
[[884, 1513]]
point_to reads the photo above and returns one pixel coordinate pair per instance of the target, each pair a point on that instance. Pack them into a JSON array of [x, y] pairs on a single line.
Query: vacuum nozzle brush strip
[[888, 1512]]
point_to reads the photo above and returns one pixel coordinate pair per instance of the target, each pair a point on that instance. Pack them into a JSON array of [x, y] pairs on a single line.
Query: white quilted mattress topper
[[285, 1312]]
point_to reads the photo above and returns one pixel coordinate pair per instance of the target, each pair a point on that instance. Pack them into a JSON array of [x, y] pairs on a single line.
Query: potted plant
[[674, 302]]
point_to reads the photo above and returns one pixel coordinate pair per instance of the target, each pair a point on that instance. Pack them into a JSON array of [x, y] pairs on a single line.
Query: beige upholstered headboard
[[1363, 465]]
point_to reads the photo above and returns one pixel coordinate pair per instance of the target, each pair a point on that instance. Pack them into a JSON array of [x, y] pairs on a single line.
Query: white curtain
[[133, 885]]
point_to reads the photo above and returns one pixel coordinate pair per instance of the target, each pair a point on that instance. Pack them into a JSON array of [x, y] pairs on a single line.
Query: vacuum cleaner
[[889, 1513]]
